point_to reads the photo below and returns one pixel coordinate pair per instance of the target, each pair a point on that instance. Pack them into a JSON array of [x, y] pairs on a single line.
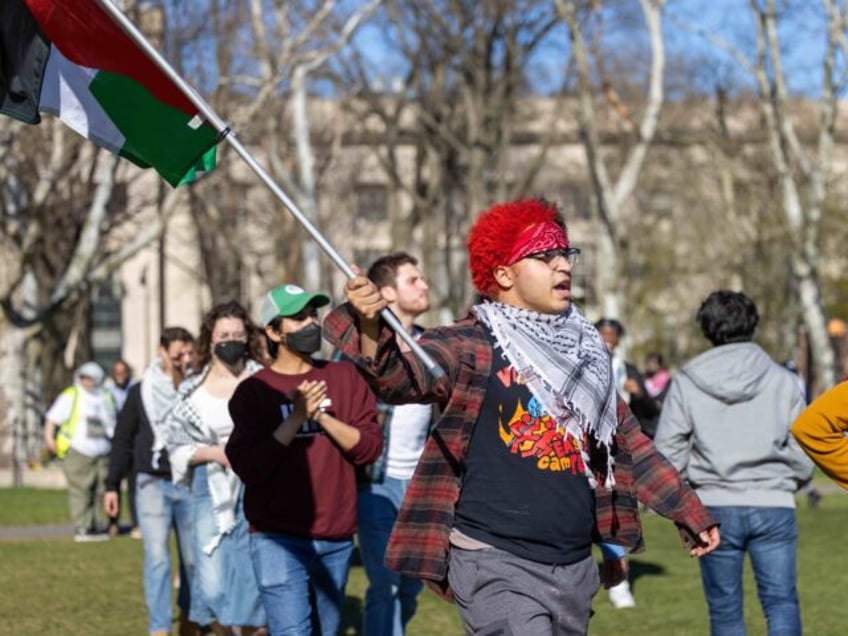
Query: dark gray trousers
[[499, 594]]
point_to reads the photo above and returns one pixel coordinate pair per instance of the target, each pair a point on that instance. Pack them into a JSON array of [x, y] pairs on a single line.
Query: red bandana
[[538, 238]]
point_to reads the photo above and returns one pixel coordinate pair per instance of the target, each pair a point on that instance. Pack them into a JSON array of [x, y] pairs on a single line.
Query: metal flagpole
[[226, 133]]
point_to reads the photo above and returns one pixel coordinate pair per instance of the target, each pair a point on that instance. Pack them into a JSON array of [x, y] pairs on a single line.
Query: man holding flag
[[535, 457]]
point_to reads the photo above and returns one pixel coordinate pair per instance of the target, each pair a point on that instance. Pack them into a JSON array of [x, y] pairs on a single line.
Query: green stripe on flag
[[205, 164], [156, 134]]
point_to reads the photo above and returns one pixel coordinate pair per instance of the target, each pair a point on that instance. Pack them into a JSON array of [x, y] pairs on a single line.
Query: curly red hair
[[494, 233]]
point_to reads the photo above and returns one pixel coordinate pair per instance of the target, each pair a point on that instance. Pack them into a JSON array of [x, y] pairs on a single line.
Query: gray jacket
[[725, 426]]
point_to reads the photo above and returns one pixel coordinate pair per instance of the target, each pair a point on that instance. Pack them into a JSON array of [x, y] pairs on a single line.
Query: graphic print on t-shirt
[[94, 427], [530, 432], [310, 428], [524, 489]]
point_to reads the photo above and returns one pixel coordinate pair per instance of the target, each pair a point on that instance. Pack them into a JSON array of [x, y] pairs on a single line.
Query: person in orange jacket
[[820, 430]]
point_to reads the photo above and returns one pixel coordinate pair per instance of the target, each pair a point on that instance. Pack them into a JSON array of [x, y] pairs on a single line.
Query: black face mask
[[306, 340], [231, 351]]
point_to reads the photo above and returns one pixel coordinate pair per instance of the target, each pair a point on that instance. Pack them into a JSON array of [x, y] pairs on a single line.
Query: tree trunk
[[610, 196], [17, 374], [311, 253], [816, 323], [795, 170]]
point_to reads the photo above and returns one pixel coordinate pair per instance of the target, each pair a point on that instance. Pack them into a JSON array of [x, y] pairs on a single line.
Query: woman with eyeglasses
[[198, 428]]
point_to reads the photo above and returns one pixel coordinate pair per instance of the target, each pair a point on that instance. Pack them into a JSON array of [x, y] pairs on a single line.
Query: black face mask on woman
[[306, 340], [231, 351]]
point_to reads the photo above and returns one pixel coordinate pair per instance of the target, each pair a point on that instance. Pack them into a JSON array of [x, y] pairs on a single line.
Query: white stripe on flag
[[65, 94]]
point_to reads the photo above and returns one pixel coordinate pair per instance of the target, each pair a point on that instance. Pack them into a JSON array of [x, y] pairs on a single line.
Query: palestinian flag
[[69, 58]]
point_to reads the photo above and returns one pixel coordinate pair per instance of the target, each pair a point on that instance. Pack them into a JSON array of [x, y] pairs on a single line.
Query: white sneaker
[[87, 536], [620, 596]]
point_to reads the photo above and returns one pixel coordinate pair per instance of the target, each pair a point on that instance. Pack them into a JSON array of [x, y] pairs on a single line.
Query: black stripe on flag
[[23, 56]]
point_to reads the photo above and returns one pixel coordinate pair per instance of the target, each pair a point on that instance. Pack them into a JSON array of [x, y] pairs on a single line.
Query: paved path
[[21, 533], [51, 477]]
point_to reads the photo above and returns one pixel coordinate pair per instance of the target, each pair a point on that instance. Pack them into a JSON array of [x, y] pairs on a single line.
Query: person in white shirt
[[391, 598], [196, 431], [78, 429]]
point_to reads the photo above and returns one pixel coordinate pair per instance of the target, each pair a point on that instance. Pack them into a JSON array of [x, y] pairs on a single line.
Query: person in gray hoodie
[[725, 426]]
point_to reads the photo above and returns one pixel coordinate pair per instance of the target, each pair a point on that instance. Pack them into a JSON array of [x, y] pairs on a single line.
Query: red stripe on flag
[[88, 36]]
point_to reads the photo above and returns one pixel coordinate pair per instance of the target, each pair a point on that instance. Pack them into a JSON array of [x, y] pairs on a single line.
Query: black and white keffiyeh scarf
[[158, 396], [566, 366], [186, 430]]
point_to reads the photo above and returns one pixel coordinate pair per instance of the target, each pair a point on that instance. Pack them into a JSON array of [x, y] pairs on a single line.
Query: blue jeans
[[225, 585], [161, 506], [292, 569], [770, 536], [391, 599]]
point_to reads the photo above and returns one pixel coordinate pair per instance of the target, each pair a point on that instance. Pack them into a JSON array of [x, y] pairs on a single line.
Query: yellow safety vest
[[69, 426]]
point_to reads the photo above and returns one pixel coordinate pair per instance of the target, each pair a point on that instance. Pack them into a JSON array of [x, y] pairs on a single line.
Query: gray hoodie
[[725, 426]]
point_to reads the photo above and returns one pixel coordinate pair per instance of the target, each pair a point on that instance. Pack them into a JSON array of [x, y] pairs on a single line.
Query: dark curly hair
[[495, 231], [229, 309], [728, 316]]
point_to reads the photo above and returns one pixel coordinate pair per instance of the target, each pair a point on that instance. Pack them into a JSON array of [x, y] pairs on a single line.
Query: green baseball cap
[[287, 300]]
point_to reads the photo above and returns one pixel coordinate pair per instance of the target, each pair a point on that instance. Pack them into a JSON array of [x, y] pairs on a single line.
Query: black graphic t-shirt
[[524, 490]]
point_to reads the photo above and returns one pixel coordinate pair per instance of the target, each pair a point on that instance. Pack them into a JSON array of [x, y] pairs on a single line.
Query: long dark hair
[[229, 309]]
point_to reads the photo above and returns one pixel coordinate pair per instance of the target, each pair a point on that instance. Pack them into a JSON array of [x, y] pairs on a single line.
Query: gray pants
[[499, 594], [86, 477]]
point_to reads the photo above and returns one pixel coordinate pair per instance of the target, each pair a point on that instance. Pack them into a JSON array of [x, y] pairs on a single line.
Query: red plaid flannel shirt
[[419, 542]]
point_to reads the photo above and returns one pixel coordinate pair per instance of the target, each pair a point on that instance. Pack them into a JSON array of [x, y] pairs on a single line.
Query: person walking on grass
[[119, 382], [535, 456], [78, 429], [822, 431], [631, 387], [725, 426], [391, 598], [197, 429], [163, 505], [300, 427]]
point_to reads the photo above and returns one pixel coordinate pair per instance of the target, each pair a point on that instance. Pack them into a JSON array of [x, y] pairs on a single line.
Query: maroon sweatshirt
[[307, 489]]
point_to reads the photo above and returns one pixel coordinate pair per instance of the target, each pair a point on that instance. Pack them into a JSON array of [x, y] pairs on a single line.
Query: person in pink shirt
[[657, 376]]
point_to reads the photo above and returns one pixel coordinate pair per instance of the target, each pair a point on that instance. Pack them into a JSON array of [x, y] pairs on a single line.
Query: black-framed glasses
[[570, 254]]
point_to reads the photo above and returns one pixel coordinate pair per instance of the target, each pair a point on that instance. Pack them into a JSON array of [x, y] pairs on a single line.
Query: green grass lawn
[[32, 507], [59, 587]]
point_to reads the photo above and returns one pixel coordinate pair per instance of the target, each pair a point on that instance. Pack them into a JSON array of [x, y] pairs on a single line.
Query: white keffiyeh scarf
[[566, 366]]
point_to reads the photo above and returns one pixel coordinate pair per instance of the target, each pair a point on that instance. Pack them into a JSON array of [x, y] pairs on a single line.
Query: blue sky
[[698, 64]]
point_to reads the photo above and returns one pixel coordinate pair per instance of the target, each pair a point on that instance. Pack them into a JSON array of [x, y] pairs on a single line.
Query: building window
[[106, 324], [372, 204]]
